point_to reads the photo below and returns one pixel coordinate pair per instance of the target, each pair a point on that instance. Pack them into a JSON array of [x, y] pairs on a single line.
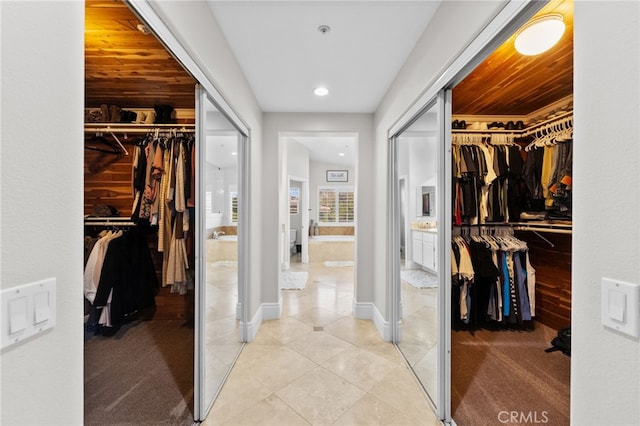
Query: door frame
[[512, 16]]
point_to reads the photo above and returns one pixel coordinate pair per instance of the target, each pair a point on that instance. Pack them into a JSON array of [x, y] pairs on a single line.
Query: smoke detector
[[324, 29]]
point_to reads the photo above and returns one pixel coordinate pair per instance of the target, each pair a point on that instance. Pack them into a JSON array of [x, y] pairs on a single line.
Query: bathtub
[[332, 238], [225, 247], [324, 248]]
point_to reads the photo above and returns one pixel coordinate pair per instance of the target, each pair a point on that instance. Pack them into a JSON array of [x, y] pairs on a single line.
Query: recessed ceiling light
[[234, 153], [540, 34], [321, 91], [341, 154]]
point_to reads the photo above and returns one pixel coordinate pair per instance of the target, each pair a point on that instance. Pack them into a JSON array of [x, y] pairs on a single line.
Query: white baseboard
[[271, 311], [254, 325], [363, 310], [266, 311], [370, 311]]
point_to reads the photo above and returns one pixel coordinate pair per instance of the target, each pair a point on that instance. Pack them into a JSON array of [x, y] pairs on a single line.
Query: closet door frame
[[442, 103], [203, 402], [506, 22]]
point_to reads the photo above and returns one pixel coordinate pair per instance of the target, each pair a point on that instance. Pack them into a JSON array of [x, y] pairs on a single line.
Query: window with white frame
[[294, 200], [336, 205], [233, 203]]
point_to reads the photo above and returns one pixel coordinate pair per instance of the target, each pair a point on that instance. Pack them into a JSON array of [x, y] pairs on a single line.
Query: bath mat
[[419, 278], [338, 263], [293, 280], [224, 263]]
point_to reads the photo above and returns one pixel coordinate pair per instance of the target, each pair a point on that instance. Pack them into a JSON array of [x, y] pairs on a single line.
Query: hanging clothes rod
[[140, 128], [108, 221], [558, 228], [561, 118], [114, 224]]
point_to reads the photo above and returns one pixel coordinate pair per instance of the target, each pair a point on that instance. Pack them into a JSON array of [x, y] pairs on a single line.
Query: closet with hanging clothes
[[139, 198], [511, 209], [511, 266]]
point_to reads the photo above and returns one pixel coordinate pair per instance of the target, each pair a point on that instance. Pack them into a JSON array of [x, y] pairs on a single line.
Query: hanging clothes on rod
[[119, 279], [492, 278], [495, 180], [548, 167], [484, 179], [162, 186]]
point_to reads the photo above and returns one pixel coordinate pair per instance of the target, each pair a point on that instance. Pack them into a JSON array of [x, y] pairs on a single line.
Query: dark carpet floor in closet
[[502, 371], [143, 375]]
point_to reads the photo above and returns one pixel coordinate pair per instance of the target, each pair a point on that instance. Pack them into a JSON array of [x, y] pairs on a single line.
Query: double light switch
[[27, 310]]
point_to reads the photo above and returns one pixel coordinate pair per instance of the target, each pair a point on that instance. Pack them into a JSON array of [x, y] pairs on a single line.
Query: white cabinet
[[424, 246], [416, 246], [429, 251]]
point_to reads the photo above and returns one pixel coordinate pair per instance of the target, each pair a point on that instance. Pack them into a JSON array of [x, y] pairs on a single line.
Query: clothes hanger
[[99, 139]]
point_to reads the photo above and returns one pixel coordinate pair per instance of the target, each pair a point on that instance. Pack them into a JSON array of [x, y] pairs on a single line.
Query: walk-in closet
[[139, 207], [512, 138]]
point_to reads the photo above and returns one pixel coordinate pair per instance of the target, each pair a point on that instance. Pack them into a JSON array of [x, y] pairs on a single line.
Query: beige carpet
[[505, 373], [143, 375]]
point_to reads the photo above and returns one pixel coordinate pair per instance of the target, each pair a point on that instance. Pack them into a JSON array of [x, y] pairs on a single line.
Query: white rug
[[419, 278], [293, 280], [338, 263]]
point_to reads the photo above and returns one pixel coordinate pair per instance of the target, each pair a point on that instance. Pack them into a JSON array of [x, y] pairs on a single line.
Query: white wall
[[41, 167], [275, 185], [193, 23], [298, 166], [297, 159], [453, 27], [605, 365]]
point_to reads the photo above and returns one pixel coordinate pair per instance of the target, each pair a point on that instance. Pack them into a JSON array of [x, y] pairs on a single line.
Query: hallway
[[318, 365]]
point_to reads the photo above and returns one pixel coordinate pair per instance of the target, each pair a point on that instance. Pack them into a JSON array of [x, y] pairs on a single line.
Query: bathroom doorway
[[317, 207]]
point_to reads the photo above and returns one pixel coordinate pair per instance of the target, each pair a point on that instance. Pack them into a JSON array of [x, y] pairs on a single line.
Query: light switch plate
[[27, 310], [620, 306]]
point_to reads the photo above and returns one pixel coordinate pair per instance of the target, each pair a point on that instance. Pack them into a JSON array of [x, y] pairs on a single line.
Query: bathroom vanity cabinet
[[424, 251]]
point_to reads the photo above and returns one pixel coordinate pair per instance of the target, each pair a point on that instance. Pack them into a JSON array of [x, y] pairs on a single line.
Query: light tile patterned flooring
[[318, 365]]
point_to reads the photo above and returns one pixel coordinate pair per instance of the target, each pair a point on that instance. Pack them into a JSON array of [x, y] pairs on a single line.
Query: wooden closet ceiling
[[127, 68], [508, 83], [124, 67]]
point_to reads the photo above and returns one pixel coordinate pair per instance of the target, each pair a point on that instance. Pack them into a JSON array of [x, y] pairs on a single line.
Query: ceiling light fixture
[[539, 34], [341, 154], [234, 153], [321, 91]]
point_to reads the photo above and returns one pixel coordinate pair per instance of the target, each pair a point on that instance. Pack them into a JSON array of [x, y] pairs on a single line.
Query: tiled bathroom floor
[[318, 365]]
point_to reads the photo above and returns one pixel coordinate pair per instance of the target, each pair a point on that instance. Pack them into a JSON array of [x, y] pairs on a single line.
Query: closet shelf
[[135, 127], [520, 133]]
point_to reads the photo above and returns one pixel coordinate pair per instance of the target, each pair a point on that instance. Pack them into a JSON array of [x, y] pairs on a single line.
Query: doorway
[[184, 132], [466, 312]]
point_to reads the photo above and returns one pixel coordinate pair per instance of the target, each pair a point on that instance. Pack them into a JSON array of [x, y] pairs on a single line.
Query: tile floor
[[318, 365]]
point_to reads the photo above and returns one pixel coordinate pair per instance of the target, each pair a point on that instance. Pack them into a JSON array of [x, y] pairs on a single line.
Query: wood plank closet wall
[[553, 277]]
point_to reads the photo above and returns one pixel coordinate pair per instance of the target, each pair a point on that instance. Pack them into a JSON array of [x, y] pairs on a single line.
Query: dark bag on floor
[[562, 342]]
